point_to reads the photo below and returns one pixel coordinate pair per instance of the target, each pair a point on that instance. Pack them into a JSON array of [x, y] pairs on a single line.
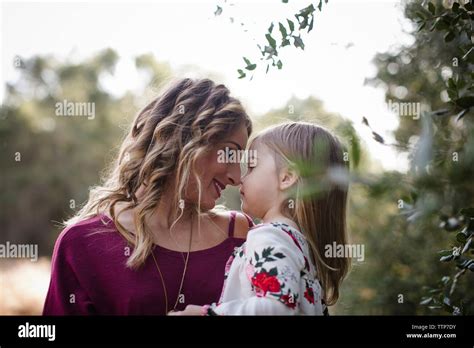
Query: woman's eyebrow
[[233, 142]]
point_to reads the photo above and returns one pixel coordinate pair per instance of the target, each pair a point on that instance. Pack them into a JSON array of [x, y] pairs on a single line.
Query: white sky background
[[185, 33]]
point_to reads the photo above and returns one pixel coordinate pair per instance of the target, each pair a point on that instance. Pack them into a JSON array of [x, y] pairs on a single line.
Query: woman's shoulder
[[240, 221], [85, 232]]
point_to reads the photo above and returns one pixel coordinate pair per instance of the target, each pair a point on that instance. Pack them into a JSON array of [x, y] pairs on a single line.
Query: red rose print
[[265, 283], [309, 295]]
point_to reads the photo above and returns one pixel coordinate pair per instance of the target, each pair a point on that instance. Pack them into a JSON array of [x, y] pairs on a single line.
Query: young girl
[[281, 269]]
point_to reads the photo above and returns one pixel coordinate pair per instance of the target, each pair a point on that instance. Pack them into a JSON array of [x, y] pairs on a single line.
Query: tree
[[436, 195]]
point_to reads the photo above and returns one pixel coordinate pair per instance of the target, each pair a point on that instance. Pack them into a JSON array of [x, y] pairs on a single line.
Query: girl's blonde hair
[[162, 146], [316, 204]]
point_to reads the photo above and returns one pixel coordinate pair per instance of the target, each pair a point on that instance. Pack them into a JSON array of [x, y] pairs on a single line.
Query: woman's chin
[[208, 205]]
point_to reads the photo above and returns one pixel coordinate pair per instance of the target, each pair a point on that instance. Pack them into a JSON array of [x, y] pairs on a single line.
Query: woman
[[150, 240]]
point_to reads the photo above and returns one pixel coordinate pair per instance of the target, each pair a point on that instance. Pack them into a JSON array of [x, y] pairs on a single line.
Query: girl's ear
[[287, 178]]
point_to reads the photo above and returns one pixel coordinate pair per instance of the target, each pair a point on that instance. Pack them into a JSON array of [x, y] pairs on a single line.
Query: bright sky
[[187, 34]]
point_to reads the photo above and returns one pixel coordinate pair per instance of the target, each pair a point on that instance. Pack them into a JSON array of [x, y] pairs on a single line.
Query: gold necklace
[[182, 278]]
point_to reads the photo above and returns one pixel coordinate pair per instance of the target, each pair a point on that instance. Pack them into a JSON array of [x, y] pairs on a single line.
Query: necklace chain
[[182, 278]]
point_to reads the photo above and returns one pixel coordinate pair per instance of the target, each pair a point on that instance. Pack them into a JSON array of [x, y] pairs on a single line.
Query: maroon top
[[89, 275]]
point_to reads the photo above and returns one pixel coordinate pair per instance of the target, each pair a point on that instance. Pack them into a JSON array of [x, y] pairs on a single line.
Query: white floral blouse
[[270, 275]]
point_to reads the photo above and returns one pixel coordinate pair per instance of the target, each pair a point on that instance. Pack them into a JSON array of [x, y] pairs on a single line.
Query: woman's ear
[[287, 178]]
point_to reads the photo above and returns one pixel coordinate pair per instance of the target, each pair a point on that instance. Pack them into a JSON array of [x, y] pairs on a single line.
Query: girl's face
[[214, 173], [259, 188]]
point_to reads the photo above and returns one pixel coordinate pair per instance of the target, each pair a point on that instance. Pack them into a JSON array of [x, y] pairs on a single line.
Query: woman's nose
[[233, 175]]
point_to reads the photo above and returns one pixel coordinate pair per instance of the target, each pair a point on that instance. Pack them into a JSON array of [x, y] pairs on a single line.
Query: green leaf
[[304, 23], [279, 64], [453, 95], [311, 24], [267, 252], [251, 67], [449, 36], [420, 15], [271, 41], [422, 26], [256, 256], [441, 24], [307, 11], [282, 30], [451, 83], [446, 258], [298, 42], [270, 29], [445, 252], [465, 102], [241, 74], [378, 137], [432, 8], [218, 11], [273, 271], [291, 25]]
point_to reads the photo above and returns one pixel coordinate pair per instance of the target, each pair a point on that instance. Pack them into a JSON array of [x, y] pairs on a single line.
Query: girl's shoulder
[[278, 240], [278, 229]]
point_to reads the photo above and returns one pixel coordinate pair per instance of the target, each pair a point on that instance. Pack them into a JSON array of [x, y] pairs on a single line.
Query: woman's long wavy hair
[[161, 148], [317, 205]]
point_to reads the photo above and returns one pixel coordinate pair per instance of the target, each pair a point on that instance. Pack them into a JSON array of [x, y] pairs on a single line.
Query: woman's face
[[216, 170]]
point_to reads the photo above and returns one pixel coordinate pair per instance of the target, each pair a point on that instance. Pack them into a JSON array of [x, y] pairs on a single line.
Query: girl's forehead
[[255, 144], [260, 150]]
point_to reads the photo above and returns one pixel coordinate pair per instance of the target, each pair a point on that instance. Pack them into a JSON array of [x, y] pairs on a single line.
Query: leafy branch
[[291, 33]]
